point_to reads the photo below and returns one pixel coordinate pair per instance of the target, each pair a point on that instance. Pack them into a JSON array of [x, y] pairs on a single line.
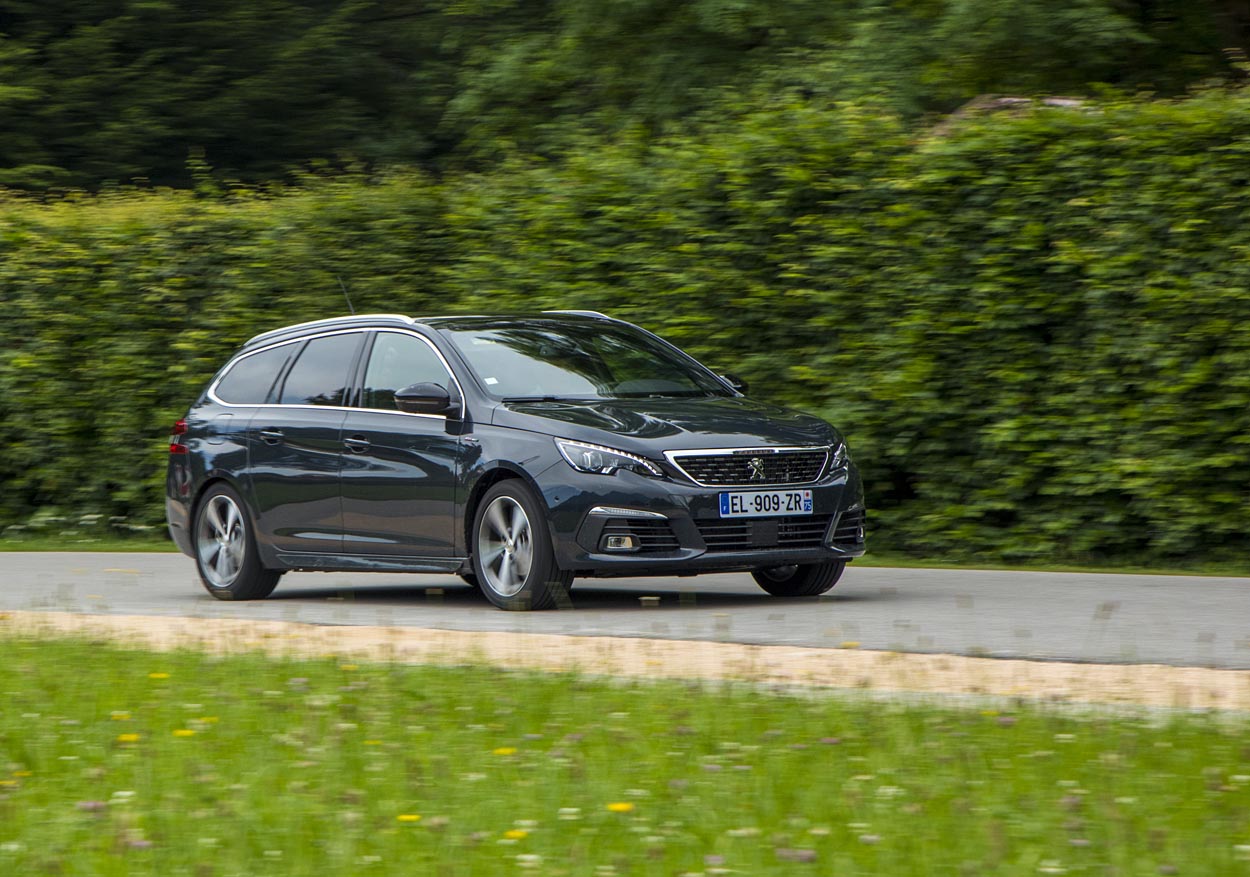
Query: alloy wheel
[[505, 546], [221, 541]]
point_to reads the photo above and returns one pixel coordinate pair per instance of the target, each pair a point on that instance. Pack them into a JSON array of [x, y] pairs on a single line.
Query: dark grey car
[[517, 452]]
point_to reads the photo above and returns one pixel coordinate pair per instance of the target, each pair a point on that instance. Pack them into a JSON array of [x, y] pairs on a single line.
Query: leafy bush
[[1033, 325]]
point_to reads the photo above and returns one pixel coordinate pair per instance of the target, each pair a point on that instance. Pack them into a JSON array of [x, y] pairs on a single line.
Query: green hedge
[[1033, 326]]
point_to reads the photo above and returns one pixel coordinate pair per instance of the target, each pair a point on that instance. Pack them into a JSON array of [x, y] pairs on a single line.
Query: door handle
[[357, 444], [271, 436]]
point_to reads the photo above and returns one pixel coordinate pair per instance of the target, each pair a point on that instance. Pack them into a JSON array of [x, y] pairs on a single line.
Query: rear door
[[296, 449], [400, 471]]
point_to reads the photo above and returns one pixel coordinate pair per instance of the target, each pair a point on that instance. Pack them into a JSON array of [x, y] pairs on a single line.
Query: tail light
[[175, 437]]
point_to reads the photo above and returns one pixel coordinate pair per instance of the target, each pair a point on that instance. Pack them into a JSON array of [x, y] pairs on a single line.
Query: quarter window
[[399, 361], [320, 375], [251, 379]]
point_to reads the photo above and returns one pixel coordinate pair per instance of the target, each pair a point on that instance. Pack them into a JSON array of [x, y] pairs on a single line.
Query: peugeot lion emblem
[[756, 468]]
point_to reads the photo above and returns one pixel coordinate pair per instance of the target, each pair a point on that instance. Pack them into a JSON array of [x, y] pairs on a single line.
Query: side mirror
[[426, 399], [735, 382]]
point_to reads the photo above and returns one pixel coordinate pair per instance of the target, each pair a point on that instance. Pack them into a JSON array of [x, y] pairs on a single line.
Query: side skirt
[[366, 563]]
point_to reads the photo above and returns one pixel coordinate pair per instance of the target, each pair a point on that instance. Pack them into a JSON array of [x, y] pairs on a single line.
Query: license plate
[[765, 503]]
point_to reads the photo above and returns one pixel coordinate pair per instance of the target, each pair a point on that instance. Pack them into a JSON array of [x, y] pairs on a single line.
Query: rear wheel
[[799, 580], [513, 559], [225, 549]]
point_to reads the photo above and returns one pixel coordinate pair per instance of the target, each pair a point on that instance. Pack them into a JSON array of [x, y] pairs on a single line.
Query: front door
[[400, 471]]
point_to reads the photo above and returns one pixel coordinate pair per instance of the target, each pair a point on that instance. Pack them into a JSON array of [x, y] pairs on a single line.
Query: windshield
[[544, 359]]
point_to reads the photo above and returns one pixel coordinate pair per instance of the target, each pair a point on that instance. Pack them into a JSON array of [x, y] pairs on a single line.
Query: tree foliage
[[94, 92]]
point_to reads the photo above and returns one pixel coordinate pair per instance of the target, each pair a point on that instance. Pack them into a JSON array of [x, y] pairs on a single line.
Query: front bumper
[[680, 531]]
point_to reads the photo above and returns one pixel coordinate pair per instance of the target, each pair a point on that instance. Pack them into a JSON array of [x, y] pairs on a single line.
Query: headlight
[[586, 457], [841, 456]]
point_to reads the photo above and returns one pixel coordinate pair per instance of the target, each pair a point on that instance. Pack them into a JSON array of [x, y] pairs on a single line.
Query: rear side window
[[399, 361], [320, 375], [251, 379]]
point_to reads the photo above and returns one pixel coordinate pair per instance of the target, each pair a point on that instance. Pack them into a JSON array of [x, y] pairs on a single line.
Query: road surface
[[1178, 620]]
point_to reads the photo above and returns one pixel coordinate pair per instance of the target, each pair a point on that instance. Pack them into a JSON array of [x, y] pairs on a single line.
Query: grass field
[[146, 545], [125, 762]]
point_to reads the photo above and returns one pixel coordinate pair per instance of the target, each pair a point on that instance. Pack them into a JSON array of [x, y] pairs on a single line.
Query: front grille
[[763, 534], [849, 533], [652, 535], [743, 468]]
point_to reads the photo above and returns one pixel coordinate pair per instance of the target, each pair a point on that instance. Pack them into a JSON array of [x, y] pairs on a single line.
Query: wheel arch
[[268, 558], [212, 480], [501, 471]]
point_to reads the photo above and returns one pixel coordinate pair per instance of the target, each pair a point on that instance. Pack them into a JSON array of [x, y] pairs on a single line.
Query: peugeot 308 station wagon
[[518, 452]]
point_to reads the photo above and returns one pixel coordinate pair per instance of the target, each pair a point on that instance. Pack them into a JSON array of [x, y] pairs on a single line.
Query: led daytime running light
[[567, 451]]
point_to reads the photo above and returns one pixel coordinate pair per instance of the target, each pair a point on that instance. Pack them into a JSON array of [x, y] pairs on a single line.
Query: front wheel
[[799, 580], [513, 559], [225, 549]]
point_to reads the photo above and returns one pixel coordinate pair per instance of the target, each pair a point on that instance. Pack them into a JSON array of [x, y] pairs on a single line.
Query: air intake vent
[[763, 534], [849, 533]]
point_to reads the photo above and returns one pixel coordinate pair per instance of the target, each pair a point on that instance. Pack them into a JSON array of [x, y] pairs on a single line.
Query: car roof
[[370, 321]]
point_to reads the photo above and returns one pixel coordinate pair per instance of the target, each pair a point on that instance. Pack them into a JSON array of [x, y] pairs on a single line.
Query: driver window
[[399, 361]]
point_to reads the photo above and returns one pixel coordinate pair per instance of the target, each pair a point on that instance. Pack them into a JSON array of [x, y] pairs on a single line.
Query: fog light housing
[[620, 543]]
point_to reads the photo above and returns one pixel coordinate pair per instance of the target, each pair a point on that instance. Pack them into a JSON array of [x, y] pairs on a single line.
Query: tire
[[800, 580], [225, 548], [513, 560]]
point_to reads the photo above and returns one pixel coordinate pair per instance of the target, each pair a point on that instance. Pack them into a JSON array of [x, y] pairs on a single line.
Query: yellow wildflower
[[158, 675], [516, 834], [127, 738], [408, 817], [184, 732], [620, 807], [505, 750]]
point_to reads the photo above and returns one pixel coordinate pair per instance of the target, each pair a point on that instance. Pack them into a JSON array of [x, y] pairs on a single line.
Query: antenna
[[345, 295]]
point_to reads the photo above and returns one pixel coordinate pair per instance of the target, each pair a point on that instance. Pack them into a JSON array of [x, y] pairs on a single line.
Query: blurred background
[[1002, 244]]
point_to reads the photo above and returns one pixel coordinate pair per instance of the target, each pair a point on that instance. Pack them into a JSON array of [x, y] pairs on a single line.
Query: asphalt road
[[1178, 620]]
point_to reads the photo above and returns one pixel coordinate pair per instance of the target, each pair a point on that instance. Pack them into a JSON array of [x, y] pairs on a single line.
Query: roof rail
[[272, 333], [581, 314]]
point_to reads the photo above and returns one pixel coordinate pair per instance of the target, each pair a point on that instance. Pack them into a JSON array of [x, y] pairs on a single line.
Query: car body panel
[[294, 456], [399, 489], [645, 425]]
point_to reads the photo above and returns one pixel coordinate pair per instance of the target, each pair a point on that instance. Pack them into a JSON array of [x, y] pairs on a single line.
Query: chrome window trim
[[446, 366], [229, 367], [355, 330], [674, 456]]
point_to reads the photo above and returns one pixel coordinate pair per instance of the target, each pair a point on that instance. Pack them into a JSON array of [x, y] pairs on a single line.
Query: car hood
[[649, 426]]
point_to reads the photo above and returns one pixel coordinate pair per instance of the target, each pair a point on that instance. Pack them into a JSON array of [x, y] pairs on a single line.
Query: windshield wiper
[[550, 399], [666, 394]]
